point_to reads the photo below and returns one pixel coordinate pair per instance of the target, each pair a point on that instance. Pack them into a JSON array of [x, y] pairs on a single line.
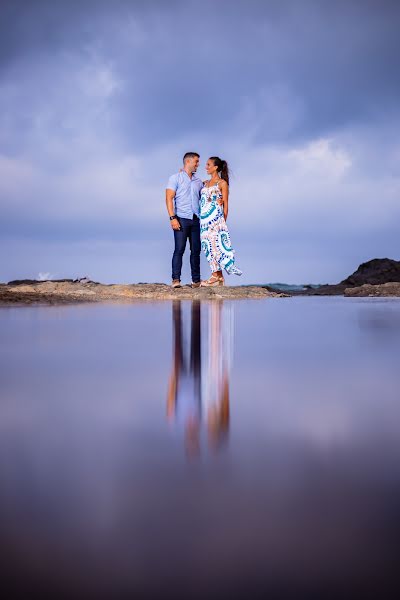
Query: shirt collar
[[192, 178]]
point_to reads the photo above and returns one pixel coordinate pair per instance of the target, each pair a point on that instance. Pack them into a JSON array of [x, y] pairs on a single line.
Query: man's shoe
[[176, 283], [196, 284]]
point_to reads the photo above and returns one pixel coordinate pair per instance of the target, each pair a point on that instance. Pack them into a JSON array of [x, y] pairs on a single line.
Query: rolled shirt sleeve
[[173, 183]]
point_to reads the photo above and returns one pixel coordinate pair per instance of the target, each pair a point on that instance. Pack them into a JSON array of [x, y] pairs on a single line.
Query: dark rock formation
[[373, 272]]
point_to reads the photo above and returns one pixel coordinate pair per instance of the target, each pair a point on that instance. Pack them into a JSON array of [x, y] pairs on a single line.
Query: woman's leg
[[214, 252], [212, 257]]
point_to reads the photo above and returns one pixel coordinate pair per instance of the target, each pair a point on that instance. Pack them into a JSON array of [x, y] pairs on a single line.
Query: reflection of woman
[[216, 395], [214, 233]]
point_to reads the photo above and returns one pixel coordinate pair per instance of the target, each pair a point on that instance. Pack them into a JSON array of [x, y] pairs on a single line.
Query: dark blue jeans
[[190, 228]]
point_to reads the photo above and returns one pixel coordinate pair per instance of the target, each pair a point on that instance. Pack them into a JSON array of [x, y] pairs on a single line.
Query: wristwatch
[[172, 217]]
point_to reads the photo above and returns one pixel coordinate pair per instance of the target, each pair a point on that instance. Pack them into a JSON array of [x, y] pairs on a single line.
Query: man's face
[[193, 164]]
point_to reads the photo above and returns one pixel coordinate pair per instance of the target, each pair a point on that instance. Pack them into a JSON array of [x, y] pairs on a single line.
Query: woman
[[215, 240]]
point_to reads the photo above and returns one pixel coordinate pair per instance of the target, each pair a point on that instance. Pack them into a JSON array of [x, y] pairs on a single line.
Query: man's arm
[[169, 200]]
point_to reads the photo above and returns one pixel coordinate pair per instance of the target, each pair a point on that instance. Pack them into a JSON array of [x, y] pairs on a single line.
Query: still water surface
[[201, 449]]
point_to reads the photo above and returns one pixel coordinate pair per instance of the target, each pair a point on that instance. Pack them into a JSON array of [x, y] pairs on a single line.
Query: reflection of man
[[184, 389], [183, 205], [193, 393]]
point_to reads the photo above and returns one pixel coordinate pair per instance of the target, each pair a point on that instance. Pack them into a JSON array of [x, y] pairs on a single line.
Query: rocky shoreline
[[70, 291], [377, 277], [389, 289]]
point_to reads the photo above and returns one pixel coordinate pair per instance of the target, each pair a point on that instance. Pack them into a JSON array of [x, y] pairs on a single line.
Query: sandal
[[213, 281]]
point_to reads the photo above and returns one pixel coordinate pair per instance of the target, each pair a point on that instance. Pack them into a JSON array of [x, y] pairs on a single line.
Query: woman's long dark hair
[[222, 167]]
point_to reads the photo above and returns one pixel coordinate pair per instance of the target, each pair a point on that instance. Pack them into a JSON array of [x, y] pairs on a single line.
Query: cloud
[[98, 103], [294, 69], [320, 159]]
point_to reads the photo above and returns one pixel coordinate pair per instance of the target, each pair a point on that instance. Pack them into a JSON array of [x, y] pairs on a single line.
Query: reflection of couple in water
[[198, 390]]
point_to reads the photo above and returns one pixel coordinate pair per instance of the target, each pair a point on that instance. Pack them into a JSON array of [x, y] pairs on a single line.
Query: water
[[293, 287], [250, 446]]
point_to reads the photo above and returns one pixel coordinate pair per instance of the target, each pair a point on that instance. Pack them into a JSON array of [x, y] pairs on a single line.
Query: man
[[183, 205]]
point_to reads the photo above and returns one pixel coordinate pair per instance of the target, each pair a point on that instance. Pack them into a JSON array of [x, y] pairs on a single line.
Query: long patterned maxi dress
[[215, 239]]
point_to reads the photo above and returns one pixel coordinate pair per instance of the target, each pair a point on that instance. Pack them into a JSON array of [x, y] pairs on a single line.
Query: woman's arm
[[225, 195]]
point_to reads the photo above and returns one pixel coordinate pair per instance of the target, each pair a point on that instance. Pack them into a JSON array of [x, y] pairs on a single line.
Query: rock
[[69, 291], [84, 280], [374, 272], [34, 281], [383, 289]]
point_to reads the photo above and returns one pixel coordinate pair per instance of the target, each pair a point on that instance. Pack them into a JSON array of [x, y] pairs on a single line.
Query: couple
[[198, 388], [198, 210]]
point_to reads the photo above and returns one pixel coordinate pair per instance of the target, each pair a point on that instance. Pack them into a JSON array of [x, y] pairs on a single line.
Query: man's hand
[[175, 224]]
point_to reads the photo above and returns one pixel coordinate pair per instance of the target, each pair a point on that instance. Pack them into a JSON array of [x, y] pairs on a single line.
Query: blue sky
[[100, 100]]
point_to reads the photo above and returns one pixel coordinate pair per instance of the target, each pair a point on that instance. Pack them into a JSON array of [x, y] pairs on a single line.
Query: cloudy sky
[[99, 100]]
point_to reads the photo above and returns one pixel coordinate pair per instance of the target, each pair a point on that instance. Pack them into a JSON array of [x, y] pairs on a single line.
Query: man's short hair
[[190, 155]]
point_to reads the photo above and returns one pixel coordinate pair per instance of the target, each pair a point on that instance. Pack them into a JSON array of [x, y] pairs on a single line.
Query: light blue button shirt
[[187, 194]]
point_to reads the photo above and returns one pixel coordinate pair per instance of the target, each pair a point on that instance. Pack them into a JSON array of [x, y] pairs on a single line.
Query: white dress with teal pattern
[[215, 239]]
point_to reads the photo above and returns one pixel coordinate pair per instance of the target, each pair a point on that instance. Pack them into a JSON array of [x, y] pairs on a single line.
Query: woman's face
[[211, 169]]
